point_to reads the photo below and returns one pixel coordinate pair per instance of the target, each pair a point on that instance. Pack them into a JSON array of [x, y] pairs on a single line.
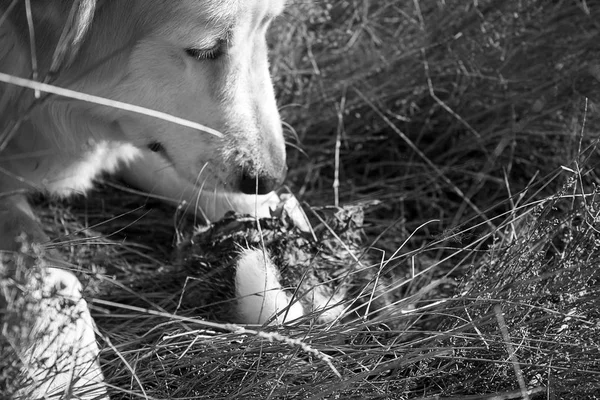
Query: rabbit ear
[[259, 294]]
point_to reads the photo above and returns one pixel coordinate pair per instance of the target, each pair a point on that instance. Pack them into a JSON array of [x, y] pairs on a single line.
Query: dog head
[[204, 61]]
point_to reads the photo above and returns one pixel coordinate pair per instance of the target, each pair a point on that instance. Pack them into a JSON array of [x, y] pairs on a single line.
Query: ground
[[468, 131]]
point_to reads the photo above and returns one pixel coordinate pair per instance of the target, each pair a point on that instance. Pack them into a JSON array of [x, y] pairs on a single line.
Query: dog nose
[[261, 183]]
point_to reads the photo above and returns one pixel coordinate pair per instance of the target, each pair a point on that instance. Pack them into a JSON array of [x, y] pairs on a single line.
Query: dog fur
[[201, 60]]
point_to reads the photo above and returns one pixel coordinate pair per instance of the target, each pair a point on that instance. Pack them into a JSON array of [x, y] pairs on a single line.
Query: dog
[[176, 96]]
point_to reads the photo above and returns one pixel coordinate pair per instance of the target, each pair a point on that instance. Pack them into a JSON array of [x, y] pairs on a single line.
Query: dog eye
[[156, 147], [207, 54]]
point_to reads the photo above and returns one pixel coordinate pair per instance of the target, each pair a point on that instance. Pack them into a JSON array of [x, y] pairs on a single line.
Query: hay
[[474, 126], [436, 104]]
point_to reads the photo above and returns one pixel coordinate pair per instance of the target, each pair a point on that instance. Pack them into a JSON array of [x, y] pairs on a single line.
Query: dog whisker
[[290, 131], [197, 207], [229, 203], [295, 146]]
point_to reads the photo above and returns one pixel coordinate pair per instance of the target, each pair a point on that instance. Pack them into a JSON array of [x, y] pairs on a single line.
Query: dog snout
[[257, 182]]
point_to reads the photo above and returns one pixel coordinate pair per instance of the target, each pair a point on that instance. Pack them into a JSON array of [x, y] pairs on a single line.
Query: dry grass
[[474, 124]]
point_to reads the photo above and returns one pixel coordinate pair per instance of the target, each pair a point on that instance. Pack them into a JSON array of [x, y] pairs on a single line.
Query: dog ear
[[77, 25], [72, 19]]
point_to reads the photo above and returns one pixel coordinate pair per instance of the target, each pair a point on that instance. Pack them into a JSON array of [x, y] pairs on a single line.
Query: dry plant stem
[[16, 192], [72, 94], [34, 63], [233, 328], [127, 365], [7, 11], [511, 351], [10, 132], [63, 45], [263, 250], [20, 179], [515, 394], [66, 42], [338, 144], [422, 155], [55, 243]]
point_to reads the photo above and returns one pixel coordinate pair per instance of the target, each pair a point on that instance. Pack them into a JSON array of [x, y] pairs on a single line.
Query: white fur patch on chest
[[77, 176]]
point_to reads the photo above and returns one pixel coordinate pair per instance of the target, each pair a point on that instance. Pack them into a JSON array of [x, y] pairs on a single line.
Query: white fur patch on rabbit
[[259, 294]]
